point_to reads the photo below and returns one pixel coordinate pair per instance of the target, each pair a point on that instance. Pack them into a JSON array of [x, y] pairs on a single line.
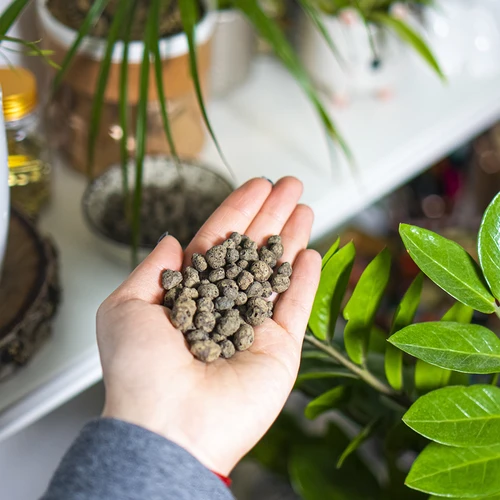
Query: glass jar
[[29, 170]]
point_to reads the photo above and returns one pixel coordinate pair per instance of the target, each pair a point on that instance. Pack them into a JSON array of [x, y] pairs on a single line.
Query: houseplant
[[424, 394], [150, 71], [368, 37]]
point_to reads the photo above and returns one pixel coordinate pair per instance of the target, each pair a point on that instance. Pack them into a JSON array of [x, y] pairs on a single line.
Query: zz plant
[[428, 390]]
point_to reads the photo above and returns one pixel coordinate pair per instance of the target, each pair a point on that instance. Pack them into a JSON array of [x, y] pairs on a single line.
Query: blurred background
[[387, 111]]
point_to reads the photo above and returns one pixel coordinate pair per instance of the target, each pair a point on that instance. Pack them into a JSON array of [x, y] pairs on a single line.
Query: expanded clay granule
[[218, 301]]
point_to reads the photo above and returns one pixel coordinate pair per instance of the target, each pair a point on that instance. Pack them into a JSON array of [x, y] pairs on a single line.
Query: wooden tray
[[29, 294]]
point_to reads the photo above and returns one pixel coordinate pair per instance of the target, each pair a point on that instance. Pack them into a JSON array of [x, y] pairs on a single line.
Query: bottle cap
[[19, 92]]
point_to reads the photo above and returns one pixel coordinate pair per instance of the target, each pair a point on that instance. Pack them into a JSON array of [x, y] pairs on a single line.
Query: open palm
[[220, 410]]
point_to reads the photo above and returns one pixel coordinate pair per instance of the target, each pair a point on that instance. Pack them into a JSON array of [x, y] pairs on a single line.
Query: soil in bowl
[[72, 13], [176, 209]]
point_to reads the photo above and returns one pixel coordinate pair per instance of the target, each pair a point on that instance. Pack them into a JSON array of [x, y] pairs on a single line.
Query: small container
[[29, 170]]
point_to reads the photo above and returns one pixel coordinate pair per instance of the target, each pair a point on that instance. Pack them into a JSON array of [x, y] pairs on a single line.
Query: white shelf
[[267, 128]]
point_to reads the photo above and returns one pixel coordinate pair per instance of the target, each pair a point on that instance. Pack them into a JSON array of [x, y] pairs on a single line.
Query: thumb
[[144, 283]]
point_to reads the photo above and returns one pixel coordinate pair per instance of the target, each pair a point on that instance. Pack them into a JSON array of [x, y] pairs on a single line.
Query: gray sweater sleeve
[[115, 460]]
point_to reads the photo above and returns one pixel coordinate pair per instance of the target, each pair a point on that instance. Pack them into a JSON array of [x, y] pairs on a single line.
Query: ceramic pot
[[4, 188], [233, 47], [70, 111], [358, 72], [204, 188]]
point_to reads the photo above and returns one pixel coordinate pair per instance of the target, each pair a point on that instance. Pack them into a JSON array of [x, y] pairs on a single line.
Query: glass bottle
[[29, 170]]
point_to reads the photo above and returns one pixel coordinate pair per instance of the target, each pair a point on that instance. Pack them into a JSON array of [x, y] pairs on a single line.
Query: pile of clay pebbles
[[218, 300]]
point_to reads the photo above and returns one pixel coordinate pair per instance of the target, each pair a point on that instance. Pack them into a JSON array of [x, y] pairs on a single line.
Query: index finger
[[235, 214]]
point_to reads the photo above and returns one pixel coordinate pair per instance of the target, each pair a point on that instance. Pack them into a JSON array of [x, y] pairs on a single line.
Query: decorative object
[[29, 169], [29, 294], [177, 201], [4, 189], [233, 47], [358, 51]]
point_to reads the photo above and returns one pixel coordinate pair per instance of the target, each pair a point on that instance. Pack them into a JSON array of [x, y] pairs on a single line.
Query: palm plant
[[190, 12]]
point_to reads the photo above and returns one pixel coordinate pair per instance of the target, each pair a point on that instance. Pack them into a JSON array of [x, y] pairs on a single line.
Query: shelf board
[[266, 128]]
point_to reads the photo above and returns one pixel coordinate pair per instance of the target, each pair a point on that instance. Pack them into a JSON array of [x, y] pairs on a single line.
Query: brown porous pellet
[[199, 262], [205, 350], [170, 279], [216, 275], [260, 270], [280, 283], [216, 256], [191, 277], [218, 300], [243, 338], [228, 288], [204, 304], [285, 269], [245, 279], [232, 271]]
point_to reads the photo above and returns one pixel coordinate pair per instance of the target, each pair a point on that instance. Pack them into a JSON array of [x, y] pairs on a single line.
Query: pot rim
[[91, 224], [95, 48]]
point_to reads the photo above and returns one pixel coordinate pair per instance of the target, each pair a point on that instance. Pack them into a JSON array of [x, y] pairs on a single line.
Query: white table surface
[[266, 128]]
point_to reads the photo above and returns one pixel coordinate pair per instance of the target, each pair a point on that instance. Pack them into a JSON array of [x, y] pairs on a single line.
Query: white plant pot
[[233, 47], [358, 73], [465, 36], [4, 188]]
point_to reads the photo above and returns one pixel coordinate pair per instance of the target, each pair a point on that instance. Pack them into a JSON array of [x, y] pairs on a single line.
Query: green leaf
[[315, 17], [404, 315], [362, 306], [331, 252], [327, 401], [449, 471], [115, 29], [160, 86], [141, 135], [331, 290], [493, 497], [123, 109], [489, 245], [459, 313], [458, 416], [363, 435], [463, 348], [429, 377], [92, 17], [409, 36], [449, 266], [189, 10], [271, 32], [11, 14], [338, 373]]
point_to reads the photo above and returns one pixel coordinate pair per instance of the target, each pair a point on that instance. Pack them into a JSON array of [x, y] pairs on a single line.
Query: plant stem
[[494, 380], [362, 373]]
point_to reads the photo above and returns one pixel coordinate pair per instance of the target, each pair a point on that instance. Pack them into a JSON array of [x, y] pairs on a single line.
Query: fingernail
[[162, 236], [269, 180]]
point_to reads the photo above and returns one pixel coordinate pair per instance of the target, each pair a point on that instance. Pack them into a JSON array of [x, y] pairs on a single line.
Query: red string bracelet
[[227, 481]]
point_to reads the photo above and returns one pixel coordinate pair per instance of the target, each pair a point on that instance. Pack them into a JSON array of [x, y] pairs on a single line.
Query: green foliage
[[332, 287], [449, 266], [463, 348], [428, 389], [458, 416], [489, 246], [451, 471], [10, 15], [362, 306], [327, 401], [403, 316]]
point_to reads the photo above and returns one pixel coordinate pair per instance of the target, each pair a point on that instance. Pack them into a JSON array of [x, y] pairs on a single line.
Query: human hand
[[215, 411]]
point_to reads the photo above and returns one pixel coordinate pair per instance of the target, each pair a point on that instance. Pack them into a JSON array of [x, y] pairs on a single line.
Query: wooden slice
[[29, 294]]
